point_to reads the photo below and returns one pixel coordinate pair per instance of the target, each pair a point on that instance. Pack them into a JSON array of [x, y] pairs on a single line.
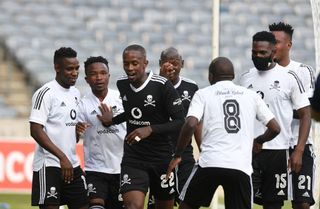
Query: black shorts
[[302, 182], [270, 176], [203, 182], [153, 176], [104, 186], [183, 172], [48, 188]]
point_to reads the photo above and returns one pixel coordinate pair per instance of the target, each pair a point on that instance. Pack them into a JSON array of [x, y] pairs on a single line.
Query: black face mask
[[261, 63]]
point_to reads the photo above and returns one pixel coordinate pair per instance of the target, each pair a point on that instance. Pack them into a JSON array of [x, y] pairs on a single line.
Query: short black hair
[[63, 52], [264, 36], [135, 47], [281, 26], [91, 60]]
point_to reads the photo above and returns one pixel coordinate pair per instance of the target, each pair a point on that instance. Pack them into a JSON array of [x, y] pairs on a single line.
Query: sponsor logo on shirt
[[108, 131], [177, 102], [137, 114], [94, 112]]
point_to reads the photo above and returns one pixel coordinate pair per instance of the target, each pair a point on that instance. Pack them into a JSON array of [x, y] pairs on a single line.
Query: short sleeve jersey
[[186, 89], [228, 113], [103, 146], [282, 91], [306, 75], [56, 108], [154, 102]]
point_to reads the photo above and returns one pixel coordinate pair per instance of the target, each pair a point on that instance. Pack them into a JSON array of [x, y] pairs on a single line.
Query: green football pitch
[[22, 201]]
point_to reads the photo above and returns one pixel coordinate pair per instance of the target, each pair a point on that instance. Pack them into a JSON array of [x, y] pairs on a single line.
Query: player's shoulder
[[114, 94], [122, 78], [248, 73], [188, 80], [158, 79], [46, 89]]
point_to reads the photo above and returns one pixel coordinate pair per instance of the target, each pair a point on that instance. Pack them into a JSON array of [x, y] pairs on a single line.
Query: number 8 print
[[231, 116]]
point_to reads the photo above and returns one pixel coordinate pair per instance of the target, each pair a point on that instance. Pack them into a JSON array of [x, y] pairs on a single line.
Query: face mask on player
[[262, 63]]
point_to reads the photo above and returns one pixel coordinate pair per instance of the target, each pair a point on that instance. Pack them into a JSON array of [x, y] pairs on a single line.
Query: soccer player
[[283, 92], [153, 110], [103, 146], [57, 176], [302, 182], [171, 63], [228, 112]]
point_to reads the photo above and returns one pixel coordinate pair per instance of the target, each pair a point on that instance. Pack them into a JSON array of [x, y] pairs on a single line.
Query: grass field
[[22, 201]]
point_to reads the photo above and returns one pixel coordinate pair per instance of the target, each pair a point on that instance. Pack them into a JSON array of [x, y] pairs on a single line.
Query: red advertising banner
[[16, 165]]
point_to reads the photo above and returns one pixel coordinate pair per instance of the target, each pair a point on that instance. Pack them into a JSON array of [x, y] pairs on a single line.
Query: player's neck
[[100, 94], [284, 62]]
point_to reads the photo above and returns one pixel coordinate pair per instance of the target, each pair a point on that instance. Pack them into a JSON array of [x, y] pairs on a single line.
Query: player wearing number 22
[[228, 113], [282, 91], [152, 110]]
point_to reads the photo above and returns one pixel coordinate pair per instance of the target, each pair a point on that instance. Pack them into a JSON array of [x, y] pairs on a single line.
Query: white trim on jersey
[[143, 85], [178, 83], [188, 80], [158, 78]]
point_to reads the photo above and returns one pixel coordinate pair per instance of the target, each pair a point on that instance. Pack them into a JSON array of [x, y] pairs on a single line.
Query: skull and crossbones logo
[[275, 85], [125, 180], [52, 193], [91, 189], [149, 101], [185, 96]]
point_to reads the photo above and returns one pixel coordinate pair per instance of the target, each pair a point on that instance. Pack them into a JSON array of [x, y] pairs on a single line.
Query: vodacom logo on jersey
[[137, 114], [16, 164]]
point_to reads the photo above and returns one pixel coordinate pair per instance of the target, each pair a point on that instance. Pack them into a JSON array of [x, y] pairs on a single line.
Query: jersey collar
[[178, 84], [143, 85]]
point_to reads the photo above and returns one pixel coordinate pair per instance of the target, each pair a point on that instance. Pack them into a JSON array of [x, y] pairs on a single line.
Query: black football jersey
[[153, 103], [186, 89]]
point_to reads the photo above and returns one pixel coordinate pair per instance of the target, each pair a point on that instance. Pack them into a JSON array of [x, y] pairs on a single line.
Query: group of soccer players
[[138, 139]]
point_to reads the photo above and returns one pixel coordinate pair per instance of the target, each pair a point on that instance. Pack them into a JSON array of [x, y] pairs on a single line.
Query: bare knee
[[133, 200], [300, 205]]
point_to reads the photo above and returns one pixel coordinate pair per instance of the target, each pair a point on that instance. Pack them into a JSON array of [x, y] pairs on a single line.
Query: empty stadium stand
[[30, 31]]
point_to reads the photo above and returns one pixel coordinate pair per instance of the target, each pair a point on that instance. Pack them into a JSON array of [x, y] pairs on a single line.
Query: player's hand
[[106, 115], [257, 147], [295, 161], [66, 169], [173, 163], [167, 70], [81, 127], [138, 134]]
